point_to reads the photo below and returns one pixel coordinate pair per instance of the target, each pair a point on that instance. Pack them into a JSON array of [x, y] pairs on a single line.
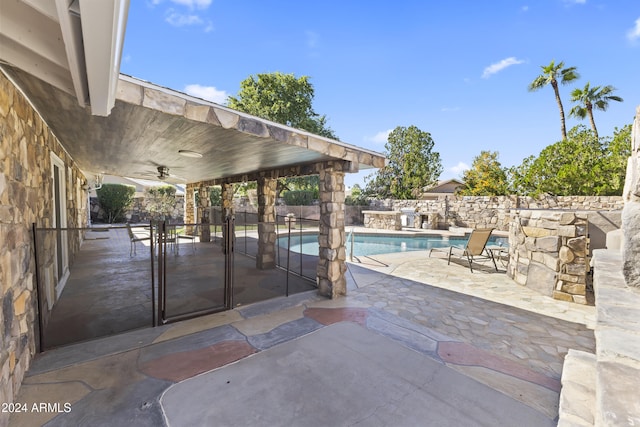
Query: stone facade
[[631, 211], [383, 220], [267, 236], [333, 255], [138, 211], [26, 197], [494, 211], [548, 252]]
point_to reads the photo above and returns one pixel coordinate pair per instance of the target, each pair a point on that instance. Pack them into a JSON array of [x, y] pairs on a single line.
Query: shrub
[[115, 199], [299, 197], [160, 200]]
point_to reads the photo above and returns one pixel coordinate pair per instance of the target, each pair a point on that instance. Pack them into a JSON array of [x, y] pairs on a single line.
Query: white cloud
[[449, 109], [575, 1], [634, 33], [180, 20], [380, 137], [499, 66], [524, 8], [459, 168], [191, 4], [210, 93]]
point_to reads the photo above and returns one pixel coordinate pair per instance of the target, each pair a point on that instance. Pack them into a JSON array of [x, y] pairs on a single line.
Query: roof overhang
[[149, 124], [73, 45]]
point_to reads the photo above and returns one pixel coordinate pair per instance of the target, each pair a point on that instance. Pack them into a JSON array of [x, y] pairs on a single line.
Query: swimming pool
[[367, 244]]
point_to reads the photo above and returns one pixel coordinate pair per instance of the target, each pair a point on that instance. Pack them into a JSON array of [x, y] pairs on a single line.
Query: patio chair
[[133, 238], [192, 237], [476, 247]]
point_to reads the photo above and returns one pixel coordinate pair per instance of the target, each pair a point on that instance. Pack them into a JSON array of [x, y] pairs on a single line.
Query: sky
[[458, 69]]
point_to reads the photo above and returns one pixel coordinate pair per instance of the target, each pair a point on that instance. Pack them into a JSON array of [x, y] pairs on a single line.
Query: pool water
[[374, 245]]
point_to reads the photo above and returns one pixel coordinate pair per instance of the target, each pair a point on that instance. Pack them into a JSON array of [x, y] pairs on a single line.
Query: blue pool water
[[375, 245]]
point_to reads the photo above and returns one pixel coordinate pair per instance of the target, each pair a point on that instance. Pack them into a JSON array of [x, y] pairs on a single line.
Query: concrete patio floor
[[416, 342]]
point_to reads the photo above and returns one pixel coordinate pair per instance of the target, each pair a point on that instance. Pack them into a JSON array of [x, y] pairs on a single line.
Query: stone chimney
[[631, 210]]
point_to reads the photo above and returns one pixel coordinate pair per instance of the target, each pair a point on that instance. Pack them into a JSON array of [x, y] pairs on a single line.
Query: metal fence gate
[[113, 279]]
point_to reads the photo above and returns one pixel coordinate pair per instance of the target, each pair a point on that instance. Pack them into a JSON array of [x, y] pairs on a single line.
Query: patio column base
[[332, 265], [266, 258]]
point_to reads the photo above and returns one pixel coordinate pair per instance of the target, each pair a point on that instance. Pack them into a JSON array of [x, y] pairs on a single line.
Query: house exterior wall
[[26, 197]]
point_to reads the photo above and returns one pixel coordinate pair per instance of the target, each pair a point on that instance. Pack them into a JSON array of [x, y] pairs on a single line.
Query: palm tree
[[552, 74], [589, 98]]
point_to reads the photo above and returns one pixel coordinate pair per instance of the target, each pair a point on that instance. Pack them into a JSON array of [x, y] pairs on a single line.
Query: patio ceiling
[[149, 124]]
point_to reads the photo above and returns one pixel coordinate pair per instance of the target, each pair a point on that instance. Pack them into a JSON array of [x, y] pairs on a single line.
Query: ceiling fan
[[163, 173]]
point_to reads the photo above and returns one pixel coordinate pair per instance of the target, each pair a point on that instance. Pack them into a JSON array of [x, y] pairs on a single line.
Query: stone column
[[331, 264], [189, 206], [204, 202], [631, 211], [227, 209], [266, 257]]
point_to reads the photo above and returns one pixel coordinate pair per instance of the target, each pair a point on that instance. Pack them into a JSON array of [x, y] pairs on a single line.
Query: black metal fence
[[108, 279]]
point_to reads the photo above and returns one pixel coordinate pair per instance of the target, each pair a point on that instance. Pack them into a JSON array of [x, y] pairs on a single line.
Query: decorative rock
[[536, 232], [548, 244], [578, 245], [574, 288], [562, 296], [580, 299], [567, 218], [566, 255], [631, 243]]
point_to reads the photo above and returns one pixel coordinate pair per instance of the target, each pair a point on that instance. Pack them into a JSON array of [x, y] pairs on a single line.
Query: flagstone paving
[[480, 324]]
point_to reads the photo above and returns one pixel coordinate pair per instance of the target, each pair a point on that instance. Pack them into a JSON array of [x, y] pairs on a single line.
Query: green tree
[[412, 165], [282, 98], [357, 197], [616, 155], [285, 99], [581, 165], [115, 199], [160, 200], [215, 195], [597, 97], [486, 177], [551, 75]]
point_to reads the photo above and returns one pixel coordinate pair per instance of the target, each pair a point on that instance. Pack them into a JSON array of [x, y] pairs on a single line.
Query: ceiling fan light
[[189, 153]]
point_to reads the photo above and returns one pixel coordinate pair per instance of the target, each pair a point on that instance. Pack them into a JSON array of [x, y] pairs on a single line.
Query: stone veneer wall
[[138, 211], [631, 211], [495, 211], [26, 198], [383, 220], [548, 253]]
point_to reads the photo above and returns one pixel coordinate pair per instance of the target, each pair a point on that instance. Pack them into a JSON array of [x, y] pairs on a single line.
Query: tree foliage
[[115, 199], [580, 165], [553, 74], [357, 197], [412, 165], [590, 98], [160, 200], [282, 98], [486, 177], [285, 99]]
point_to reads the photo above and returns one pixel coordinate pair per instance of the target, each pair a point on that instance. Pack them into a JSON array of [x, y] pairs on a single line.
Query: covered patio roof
[[150, 124]]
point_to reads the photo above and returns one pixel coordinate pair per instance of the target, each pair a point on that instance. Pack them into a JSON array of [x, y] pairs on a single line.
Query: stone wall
[[383, 220], [494, 211], [138, 211], [631, 211], [26, 197], [548, 252]]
